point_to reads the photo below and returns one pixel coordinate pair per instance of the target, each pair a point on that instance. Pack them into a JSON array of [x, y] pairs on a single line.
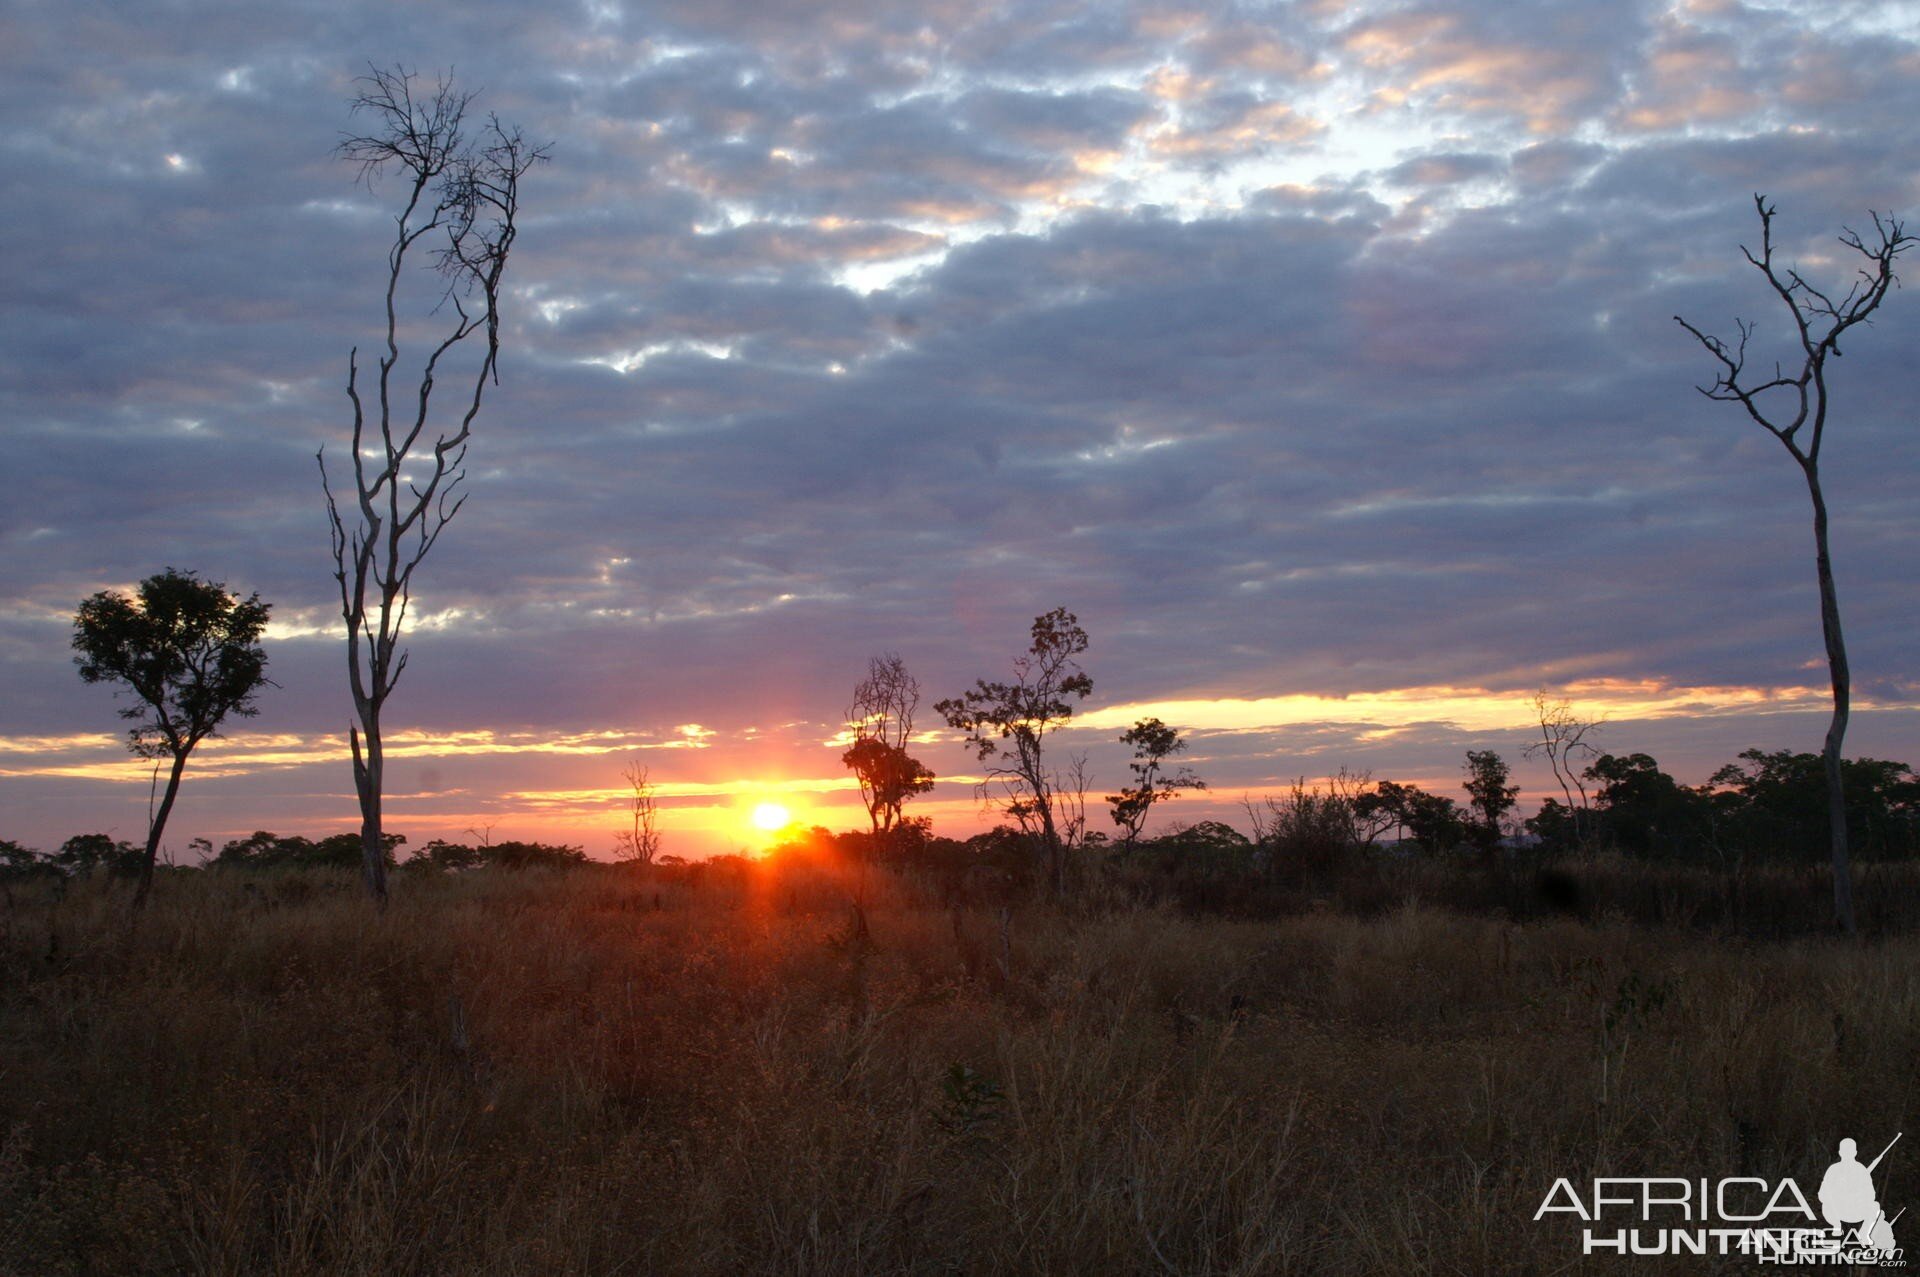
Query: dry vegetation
[[608, 1073]]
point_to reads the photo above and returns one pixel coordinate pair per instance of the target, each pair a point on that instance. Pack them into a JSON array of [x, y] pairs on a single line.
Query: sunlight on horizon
[[1381, 714], [771, 818]]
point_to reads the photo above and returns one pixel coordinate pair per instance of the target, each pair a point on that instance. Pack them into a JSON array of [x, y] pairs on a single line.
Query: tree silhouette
[[881, 720], [1563, 741], [1007, 724], [639, 843], [1794, 412], [1153, 744], [1432, 821], [460, 201], [190, 653], [1488, 795]]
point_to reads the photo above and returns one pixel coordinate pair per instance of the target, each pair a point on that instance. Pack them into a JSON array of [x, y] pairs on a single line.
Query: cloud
[[1545, 68], [1445, 169], [1315, 354]]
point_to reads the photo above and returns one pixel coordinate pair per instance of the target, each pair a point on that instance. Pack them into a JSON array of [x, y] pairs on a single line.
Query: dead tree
[[459, 206], [640, 843], [1070, 802], [1563, 742], [1794, 412]]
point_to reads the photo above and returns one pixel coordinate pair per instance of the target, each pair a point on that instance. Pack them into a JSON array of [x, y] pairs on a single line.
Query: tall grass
[[608, 1073]]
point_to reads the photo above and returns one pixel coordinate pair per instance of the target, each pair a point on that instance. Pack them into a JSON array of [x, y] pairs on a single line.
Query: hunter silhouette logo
[[1848, 1202], [1771, 1221]]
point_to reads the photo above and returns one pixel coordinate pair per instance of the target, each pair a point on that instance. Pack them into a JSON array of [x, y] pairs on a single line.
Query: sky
[[1319, 357]]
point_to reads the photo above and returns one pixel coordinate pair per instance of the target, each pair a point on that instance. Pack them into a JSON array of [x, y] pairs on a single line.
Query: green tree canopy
[[189, 653]]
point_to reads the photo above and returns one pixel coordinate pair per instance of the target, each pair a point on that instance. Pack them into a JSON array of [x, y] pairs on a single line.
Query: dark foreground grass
[[603, 1073]]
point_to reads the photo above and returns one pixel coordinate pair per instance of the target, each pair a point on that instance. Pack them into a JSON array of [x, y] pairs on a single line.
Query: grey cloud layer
[[1420, 419]]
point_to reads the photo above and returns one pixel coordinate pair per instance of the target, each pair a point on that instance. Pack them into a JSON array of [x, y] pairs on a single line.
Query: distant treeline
[[1768, 806], [1765, 808], [98, 853]]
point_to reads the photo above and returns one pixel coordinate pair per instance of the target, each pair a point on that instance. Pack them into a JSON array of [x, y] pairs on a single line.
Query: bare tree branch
[[639, 843], [467, 194], [1819, 323]]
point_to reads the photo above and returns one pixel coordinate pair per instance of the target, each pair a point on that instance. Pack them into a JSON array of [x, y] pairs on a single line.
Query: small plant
[[1635, 1001], [969, 1100]]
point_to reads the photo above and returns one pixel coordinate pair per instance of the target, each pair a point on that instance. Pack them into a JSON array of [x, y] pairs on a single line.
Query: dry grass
[[513, 1074]]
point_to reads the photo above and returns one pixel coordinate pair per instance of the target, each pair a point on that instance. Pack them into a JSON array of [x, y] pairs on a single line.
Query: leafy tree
[[534, 855], [1311, 828], [460, 200], [888, 776], [1644, 811], [1006, 726], [1004, 849], [1209, 847], [1210, 834], [881, 720], [1489, 796], [82, 854], [265, 850], [1381, 808], [1781, 802], [18, 862], [1153, 744], [443, 856], [1560, 828], [344, 851], [1785, 402], [190, 654], [256, 849], [1308, 828], [1432, 821], [439, 856]]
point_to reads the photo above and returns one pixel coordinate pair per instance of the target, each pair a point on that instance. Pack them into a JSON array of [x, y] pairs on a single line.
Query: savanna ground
[[607, 1072]]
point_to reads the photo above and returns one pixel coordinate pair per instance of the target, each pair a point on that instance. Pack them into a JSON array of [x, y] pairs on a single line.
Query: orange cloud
[[1430, 56], [1689, 78], [1470, 708], [1258, 128]]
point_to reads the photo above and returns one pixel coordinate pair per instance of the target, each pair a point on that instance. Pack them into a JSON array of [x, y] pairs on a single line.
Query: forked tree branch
[[460, 205], [1819, 323]]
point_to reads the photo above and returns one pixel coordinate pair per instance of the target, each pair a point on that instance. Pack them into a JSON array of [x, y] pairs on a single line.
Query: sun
[[771, 818]]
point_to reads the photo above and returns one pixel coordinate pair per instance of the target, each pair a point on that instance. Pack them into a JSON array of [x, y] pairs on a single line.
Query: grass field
[[604, 1072]]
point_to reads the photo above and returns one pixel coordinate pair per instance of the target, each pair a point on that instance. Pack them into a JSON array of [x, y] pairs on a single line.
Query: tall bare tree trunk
[[468, 192], [1799, 400], [1842, 703], [368, 765], [1056, 876], [159, 823]]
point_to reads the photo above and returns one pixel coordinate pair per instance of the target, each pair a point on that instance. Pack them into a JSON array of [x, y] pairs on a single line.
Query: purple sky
[[1320, 357]]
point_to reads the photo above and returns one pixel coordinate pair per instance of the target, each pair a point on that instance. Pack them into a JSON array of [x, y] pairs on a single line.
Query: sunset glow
[[771, 818], [1270, 342], [1080, 637]]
